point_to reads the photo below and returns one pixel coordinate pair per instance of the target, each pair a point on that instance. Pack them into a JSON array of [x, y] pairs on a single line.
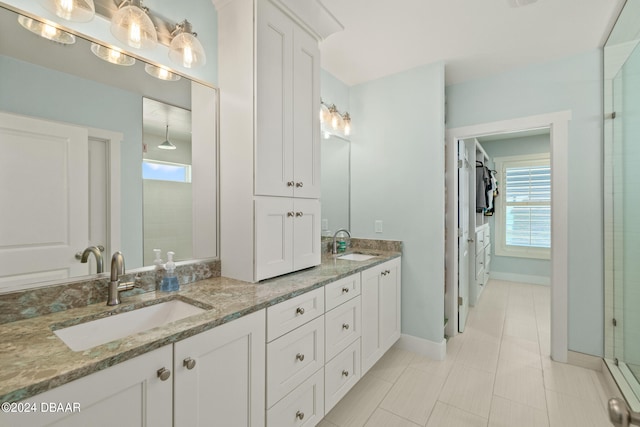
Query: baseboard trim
[[584, 360], [430, 349], [521, 278]]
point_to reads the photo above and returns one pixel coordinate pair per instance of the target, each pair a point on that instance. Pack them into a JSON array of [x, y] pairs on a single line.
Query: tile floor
[[497, 374]]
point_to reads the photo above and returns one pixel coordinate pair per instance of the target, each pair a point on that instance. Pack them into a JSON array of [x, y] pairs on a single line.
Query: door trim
[[558, 124]]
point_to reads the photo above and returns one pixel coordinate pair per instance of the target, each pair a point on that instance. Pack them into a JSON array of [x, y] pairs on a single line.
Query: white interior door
[[463, 235], [44, 193]]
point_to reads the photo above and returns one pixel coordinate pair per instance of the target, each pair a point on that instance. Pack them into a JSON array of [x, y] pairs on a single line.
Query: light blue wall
[[397, 172], [572, 83], [516, 147]]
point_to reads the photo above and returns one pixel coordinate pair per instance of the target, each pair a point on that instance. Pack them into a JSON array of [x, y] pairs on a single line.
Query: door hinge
[[460, 301], [615, 322], [460, 164], [613, 115]]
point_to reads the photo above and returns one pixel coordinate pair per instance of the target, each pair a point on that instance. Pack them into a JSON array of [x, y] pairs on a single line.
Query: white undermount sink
[[101, 331], [356, 257]]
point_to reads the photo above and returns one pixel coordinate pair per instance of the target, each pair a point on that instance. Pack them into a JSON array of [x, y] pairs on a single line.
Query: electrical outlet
[[378, 226]]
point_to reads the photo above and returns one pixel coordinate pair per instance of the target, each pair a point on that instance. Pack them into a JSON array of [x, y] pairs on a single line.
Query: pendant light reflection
[[167, 145], [46, 31], [185, 48], [132, 25], [161, 73], [71, 10], [114, 56]]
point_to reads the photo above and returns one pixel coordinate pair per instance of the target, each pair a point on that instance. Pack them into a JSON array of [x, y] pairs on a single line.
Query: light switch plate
[[378, 226]]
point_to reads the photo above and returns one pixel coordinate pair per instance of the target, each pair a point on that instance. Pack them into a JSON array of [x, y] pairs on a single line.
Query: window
[[165, 171], [523, 217]]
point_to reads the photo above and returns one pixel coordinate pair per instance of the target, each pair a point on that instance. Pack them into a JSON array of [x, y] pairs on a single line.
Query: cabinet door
[[306, 234], [274, 218], [370, 294], [390, 300], [274, 109], [226, 385], [306, 123], [127, 394]]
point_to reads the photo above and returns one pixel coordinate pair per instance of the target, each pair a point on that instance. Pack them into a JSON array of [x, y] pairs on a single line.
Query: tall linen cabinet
[[269, 76]]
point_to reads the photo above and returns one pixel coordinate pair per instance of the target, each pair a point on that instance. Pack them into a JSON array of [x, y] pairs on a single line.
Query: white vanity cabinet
[[131, 393], [381, 300], [287, 99], [219, 375], [287, 235]]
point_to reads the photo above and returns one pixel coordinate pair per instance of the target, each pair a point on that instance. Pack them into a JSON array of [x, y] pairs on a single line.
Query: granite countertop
[[33, 359]]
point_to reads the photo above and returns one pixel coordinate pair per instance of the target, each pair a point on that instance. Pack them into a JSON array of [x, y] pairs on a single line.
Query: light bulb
[[161, 73], [132, 25], [71, 10], [347, 128], [67, 6], [134, 35], [49, 31], [187, 57]]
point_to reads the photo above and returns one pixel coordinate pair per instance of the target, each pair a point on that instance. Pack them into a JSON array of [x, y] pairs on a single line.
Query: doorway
[[557, 123]]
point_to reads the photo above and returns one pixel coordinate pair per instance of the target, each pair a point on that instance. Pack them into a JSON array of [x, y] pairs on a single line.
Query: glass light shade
[[325, 114], [71, 10], [347, 124], [46, 31], [113, 56], [186, 50], [132, 26], [337, 123], [161, 73]]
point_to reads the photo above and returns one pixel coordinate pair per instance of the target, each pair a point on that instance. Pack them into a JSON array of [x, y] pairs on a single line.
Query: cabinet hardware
[[299, 415], [299, 214], [345, 326], [300, 310], [299, 184], [164, 374], [290, 183], [300, 357], [388, 271], [189, 363], [383, 273], [290, 214], [470, 240], [345, 290], [345, 373]]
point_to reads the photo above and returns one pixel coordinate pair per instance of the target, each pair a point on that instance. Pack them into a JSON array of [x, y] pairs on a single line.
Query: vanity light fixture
[[347, 124], [112, 55], [337, 123], [325, 114], [332, 122], [167, 145], [46, 31], [161, 73], [185, 48], [71, 10], [132, 25]]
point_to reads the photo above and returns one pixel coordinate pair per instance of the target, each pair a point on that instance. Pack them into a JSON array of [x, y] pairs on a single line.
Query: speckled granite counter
[[33, 359]]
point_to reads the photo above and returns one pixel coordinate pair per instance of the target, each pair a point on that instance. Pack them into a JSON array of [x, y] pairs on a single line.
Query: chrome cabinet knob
[[345, 326], [290, 183], [299, 415], [345, 373], [300, 310], [345, 290], [189, 363], [299, 214], [164, 374], [290, 214], [384, 273], [300, 357], [299, 184], [388, 271]]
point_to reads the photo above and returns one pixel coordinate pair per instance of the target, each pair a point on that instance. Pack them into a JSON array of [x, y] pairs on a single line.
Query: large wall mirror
[[75, 132], [336, 183]]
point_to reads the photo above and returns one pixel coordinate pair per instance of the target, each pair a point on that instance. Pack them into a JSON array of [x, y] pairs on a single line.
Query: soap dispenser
[[170, 280], [158, 261]]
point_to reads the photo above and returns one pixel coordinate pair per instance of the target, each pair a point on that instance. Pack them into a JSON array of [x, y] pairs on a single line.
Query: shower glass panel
[[622, 201]]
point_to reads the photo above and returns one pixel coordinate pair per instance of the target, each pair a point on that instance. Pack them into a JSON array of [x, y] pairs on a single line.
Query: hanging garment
[[492, 193], [482, 180]]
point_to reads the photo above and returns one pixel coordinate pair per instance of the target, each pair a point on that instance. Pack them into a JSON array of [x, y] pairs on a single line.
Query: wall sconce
[[347, 124], [185, 48], [112, 55], [334, 123], [71, 10], [167, 145], [161, 73], [132, 25], [46, 31]]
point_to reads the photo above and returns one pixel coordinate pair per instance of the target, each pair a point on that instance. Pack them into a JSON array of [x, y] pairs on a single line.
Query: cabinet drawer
[[340, 374], [292, 358], [341, 291], [304, 406], [479, 240], [479, 265], [342, 327], [288, 315], [487, 236]]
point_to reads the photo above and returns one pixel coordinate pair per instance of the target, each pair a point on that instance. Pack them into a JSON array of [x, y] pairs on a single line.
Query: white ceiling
[[474, 38]]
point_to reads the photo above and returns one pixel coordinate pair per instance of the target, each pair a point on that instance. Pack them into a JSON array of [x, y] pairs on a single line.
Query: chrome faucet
[[335, 247], [115, 287], [97, 252]]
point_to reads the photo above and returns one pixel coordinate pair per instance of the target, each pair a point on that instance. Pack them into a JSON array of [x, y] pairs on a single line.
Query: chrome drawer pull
[[300, 357], [345, 326], [299, 415], [345, 373], [300, 311]]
